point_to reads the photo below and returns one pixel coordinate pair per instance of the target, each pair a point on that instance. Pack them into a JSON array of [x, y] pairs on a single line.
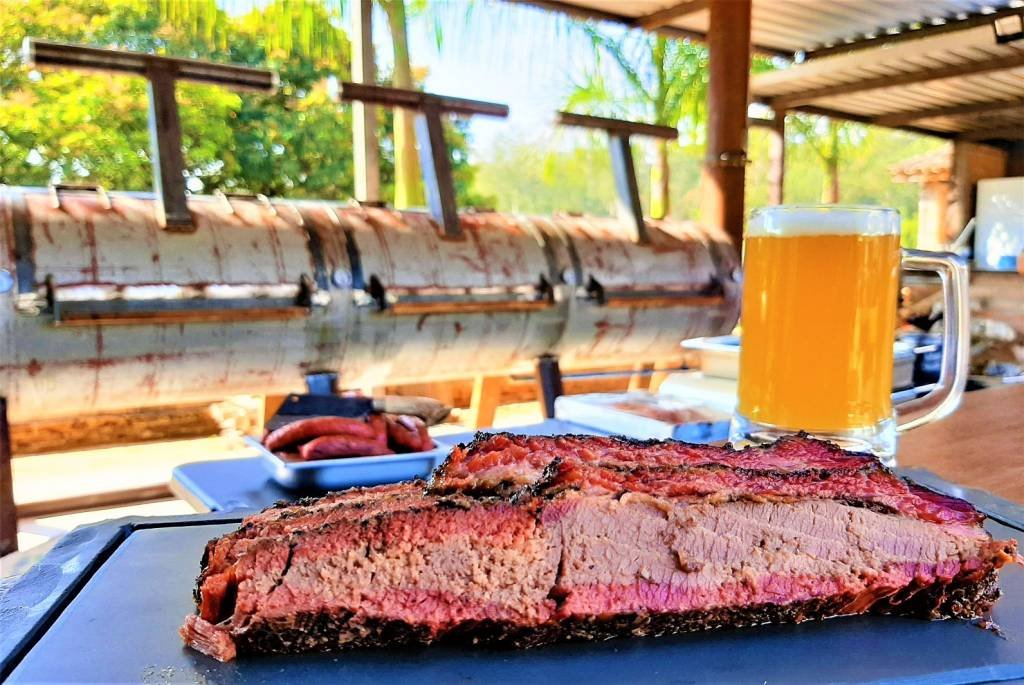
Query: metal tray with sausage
[[347, 471]]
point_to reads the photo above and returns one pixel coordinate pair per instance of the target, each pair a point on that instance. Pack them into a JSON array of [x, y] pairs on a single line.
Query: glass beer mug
[[820, 292]]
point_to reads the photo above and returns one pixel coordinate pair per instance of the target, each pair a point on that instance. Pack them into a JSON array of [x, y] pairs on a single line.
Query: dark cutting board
[[106, 604]]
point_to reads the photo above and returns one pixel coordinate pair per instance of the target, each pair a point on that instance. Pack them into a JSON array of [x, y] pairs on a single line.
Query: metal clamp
[[730, 158], [162, 73], [434, 157], [226, 198], [626, 190], [56, 188]]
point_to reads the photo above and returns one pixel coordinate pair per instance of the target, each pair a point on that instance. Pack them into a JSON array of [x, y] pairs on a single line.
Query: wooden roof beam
[[882, 37], [1002, 133], [902, 118], [863, 119], [791, 100], [670, 31], [662, 17]]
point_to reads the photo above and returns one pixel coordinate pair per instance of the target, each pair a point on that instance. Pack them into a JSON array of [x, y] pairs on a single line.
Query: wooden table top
[[979, 446]]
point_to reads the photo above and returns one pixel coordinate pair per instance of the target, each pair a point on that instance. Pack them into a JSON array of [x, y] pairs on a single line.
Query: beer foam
[[790, 220]]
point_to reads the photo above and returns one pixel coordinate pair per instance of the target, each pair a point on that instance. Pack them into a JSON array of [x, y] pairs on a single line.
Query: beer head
[[805, 220]]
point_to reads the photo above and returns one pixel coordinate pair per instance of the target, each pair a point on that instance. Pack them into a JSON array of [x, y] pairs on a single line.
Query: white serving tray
[[596, 410]]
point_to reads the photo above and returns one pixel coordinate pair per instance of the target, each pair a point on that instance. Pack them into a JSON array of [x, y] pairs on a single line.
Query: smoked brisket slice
[[524, 540], [502, 462]]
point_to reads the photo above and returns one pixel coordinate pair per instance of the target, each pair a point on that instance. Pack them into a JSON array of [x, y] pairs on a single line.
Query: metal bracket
[[619, 132], [712, 295], [107, 312], [434, 156], [403, 301], [162, 73]]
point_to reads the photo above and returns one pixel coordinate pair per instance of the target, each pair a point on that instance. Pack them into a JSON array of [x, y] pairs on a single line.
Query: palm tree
[[648, 78], [829, 138], [408, 182]]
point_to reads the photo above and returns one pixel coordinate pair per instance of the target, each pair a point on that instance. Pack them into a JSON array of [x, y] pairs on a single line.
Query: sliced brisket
[[525, 540], [499, 462]]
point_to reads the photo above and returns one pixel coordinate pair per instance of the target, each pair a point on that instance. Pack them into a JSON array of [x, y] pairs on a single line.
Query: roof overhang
[[928, 66]]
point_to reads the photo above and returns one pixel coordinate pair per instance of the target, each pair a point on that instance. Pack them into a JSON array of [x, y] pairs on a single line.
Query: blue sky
[[498, 52]]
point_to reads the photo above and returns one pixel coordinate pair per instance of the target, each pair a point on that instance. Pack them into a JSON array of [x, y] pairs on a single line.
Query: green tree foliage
[[73, 127], [577, 176], [645, 77], [831, 140], [532, 178]]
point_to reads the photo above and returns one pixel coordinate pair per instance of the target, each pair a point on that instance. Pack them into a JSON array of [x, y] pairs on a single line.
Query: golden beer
[[818, 320]]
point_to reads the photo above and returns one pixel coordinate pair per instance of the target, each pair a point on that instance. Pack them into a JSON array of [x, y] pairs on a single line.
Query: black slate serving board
[[105, 606]]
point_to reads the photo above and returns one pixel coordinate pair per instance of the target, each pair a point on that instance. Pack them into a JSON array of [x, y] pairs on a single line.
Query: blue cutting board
[[106, 604]]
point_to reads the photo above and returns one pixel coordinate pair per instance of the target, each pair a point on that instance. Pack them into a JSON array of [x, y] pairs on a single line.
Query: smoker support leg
[[271, 403], [549, 381], [638, 379], [8, 514], [483, 405], [661, 372]]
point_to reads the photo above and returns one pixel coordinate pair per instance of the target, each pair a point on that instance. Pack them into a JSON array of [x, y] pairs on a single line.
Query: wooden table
[[980, 446]]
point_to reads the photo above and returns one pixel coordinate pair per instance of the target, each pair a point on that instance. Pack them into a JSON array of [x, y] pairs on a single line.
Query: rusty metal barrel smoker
[[135, 299]]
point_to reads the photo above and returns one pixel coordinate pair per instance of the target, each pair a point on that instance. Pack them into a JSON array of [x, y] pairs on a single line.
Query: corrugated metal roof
[[806, 25], [927, 65], [955, 83], [795, 26]]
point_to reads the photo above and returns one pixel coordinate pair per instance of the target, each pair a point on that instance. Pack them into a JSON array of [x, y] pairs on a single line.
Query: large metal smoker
[[134, 299]]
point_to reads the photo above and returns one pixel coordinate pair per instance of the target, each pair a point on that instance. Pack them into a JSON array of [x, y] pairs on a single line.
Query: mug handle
[[944, 398]]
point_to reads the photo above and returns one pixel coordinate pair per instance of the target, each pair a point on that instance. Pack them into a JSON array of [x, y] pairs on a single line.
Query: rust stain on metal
[[472, 231], [218, 260], [44, 226], [99, 358], [89, 243], [373, 221], [275, 248]]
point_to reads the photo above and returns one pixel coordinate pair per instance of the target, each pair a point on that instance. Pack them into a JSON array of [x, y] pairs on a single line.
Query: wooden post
[[486, 398], [437, 171], [366, 155], [271, 403], [972, 162], [661, 371], [8, 512], [638, 379], [549, 383], [1015, 159], [165, 148], [777, 159], [626, 192], [728, 40]]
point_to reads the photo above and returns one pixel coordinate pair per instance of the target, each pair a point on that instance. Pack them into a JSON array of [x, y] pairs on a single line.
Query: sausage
[[404, 433], [380, 427], [426, 442], [334, 446], [306, 429]]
